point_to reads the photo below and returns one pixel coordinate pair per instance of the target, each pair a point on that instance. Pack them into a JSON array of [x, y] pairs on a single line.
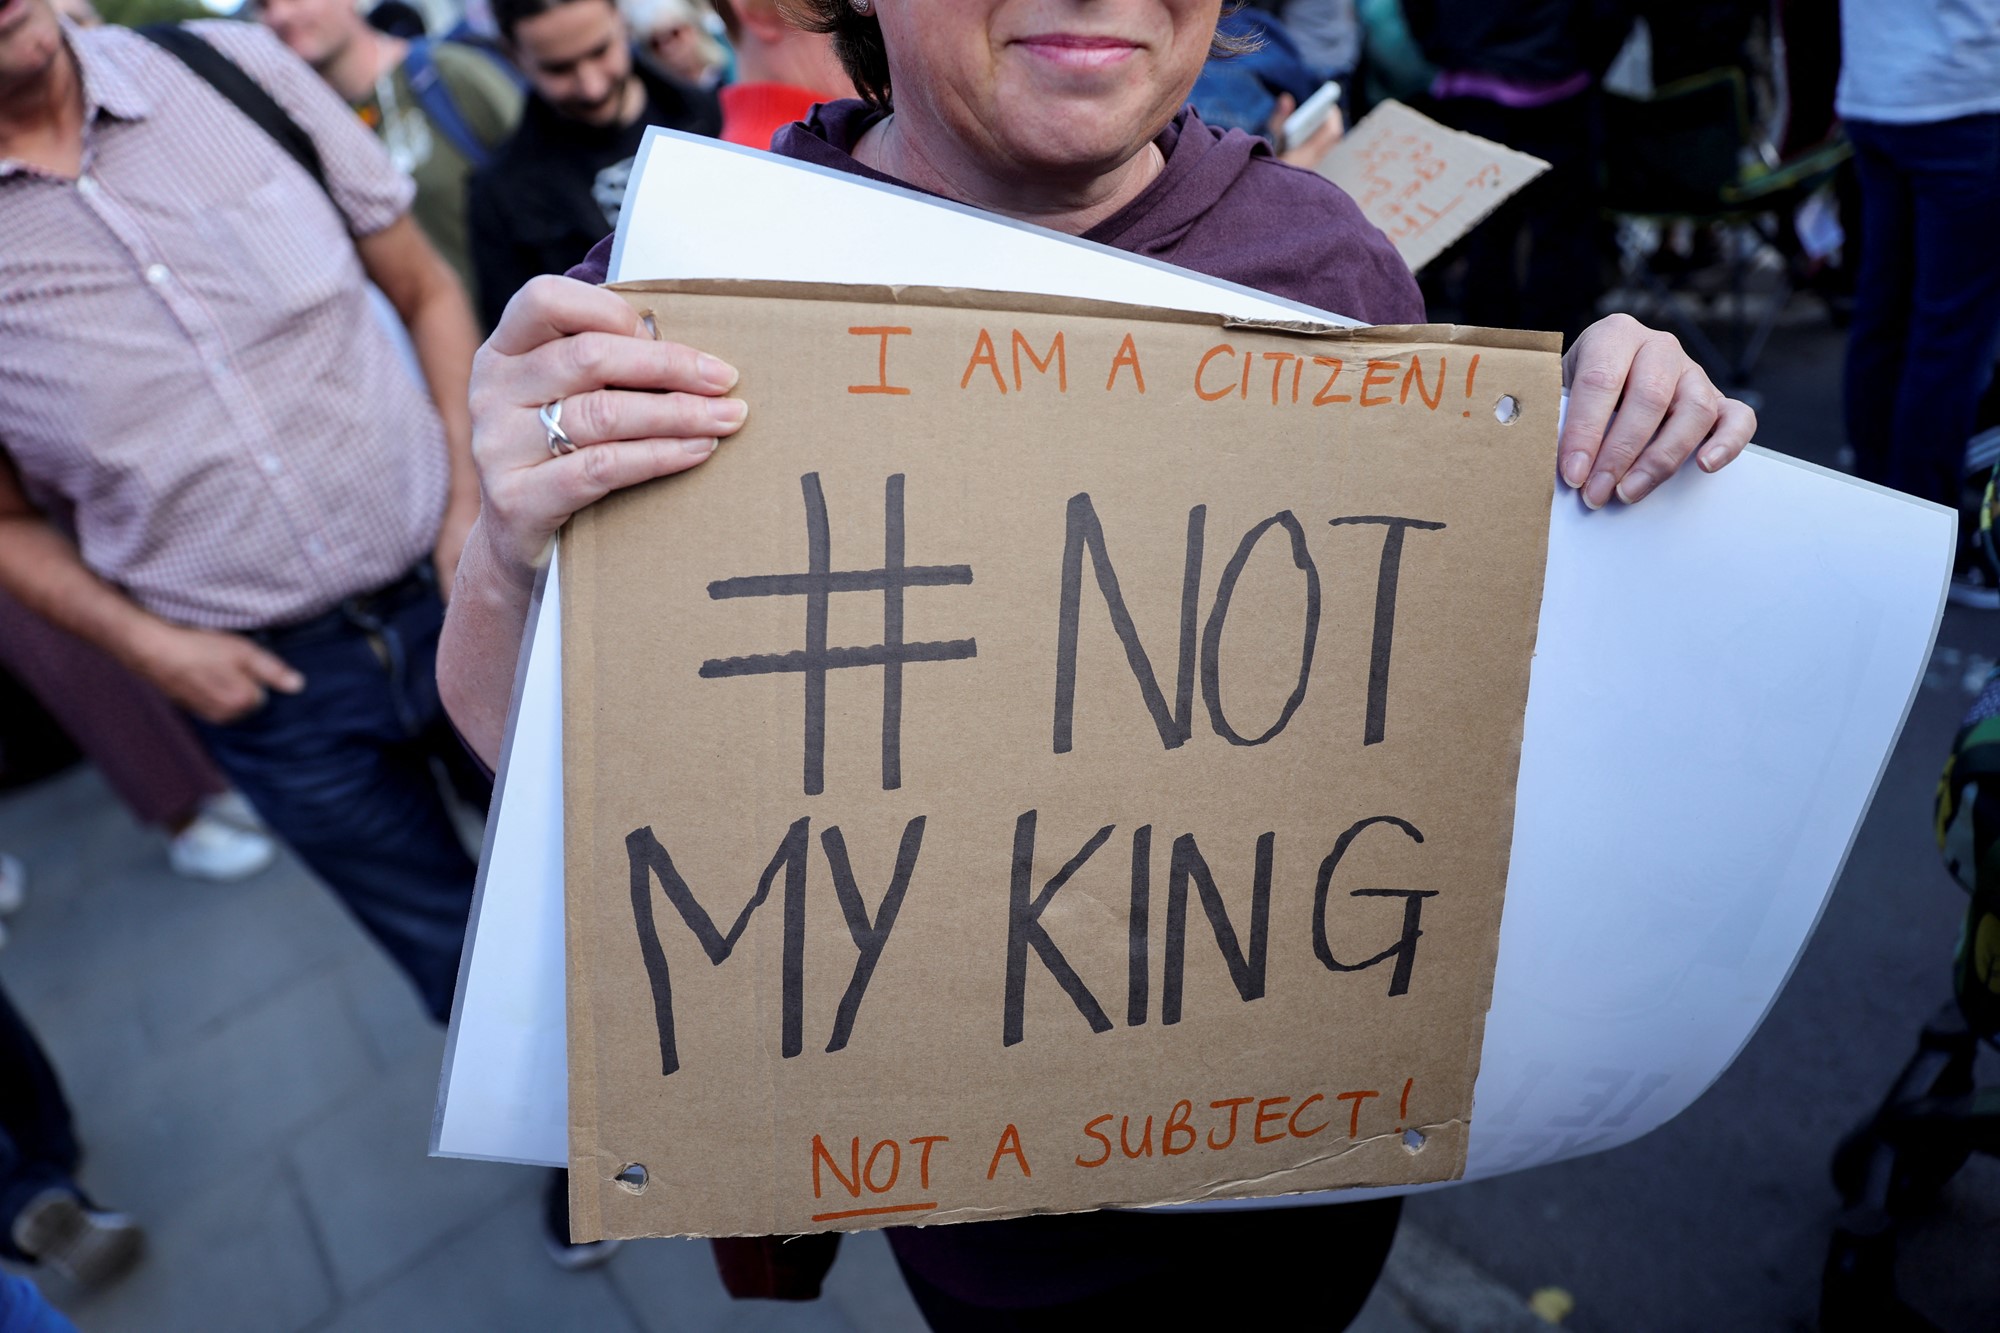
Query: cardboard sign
[[1422, 184], [1058, 755]]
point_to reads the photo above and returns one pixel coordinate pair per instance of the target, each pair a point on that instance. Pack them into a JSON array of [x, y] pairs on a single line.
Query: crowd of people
[[268, 527]]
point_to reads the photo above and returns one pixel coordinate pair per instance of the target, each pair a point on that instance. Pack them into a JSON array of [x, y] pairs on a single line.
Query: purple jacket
[[1223, 206]]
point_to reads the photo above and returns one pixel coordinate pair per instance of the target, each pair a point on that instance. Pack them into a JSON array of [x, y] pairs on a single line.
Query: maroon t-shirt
[[1223, 206]]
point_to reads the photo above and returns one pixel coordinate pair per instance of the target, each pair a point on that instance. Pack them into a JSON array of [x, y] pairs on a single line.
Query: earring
[[863, 7]]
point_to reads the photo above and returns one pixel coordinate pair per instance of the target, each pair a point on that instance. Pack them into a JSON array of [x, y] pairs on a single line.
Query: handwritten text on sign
[[1423, 184], [1053, 757]]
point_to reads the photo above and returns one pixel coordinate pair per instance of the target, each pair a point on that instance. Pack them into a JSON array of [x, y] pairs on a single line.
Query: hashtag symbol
[[817, 584]]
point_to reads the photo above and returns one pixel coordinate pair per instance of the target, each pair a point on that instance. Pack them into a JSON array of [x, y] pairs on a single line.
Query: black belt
[[363, 611]]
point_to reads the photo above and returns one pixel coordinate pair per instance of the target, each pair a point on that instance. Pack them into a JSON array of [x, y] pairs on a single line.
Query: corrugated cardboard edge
[[971, 298], [579, 686], [586, 1216], [1518, 732]]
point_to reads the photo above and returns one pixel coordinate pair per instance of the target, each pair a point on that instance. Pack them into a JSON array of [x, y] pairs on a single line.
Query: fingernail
[[1635, 487], [1576, 469], [728, 413], [717, 373], [1598, 493], [698, 448], [1713, 458]]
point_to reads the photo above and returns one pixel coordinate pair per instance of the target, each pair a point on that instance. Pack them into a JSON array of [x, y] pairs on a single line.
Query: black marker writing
[[816, 585], [1385, 617], [1025, 931], [1246, 969], [650, 861], [869, 936], [1218, 616], [1083, 533], [1404, 950]]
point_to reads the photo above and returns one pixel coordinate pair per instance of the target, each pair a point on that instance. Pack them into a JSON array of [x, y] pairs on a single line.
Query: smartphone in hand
[[1300, 125]]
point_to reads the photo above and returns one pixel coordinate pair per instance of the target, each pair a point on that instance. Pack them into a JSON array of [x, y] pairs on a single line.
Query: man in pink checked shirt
[[213, 463]]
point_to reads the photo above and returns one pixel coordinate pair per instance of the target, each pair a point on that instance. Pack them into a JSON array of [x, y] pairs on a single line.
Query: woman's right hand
[[637, 408]]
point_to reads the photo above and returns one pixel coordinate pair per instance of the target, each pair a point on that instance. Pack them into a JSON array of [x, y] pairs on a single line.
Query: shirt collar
[[106, 87], [107, 71]]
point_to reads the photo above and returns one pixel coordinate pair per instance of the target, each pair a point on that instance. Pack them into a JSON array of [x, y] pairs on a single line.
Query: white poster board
[[1722, 673]]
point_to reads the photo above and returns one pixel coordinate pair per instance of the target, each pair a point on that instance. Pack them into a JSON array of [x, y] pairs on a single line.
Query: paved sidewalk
[[255, 1083]]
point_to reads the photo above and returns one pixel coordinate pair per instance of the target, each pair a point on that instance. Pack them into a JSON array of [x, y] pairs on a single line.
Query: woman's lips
[[1075, 51]]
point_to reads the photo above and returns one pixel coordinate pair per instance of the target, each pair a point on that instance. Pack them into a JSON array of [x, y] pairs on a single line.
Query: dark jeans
[[37, 1145], [343, 772], [1927, 307], [1312, 1267]]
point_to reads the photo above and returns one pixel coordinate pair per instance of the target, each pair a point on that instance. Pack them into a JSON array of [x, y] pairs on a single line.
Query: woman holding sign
[[1069, 114]]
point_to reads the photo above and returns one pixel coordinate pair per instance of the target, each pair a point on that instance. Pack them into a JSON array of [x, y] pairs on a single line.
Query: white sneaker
[[214, 849], [13, 884], [232, 808]]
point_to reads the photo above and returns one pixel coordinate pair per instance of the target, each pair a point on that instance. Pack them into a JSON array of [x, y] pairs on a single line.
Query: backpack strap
[[244, 93], [435, 98], [488, 49]]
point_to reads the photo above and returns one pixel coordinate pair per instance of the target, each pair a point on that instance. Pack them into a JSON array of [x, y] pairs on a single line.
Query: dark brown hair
[[509, 14], [857, 40]]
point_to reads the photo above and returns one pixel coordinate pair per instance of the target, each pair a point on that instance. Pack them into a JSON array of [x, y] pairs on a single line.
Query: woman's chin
[[1076, 158], [1067, 138]]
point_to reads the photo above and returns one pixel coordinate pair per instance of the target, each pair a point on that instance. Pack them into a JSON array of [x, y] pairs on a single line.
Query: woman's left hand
[[1639, 407]]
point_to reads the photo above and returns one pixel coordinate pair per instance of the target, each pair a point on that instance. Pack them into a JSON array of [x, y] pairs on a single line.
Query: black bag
[[244, 93]]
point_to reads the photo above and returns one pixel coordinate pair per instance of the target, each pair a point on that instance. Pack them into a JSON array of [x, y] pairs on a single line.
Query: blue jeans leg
[[344, 773], [1927, 303]]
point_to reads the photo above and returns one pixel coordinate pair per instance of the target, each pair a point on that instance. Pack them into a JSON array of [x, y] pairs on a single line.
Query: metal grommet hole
[[1508, 410], [632, 1179]]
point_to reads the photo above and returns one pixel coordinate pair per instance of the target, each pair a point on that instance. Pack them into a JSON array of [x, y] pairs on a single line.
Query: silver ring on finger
[[551, 418]]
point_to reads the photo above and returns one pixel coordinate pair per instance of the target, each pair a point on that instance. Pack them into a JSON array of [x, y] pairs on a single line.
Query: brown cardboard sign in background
[[1057, 755], [1424, 185]]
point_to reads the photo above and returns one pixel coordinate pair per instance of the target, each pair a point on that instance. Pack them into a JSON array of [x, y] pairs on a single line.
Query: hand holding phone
[[1303, 123]]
